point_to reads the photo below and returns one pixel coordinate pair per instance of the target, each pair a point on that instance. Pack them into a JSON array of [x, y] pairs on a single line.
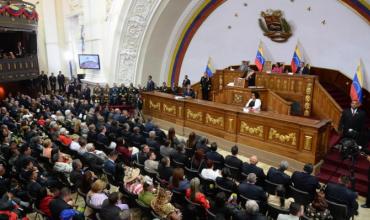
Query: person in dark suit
[[306, 69], [101, 138], [152, 142], [53, 82], [305, 181], [149, 125], [278, 176], [179, 155], [352, 123], [110, 165], [251, 212], [61, 82], [92, 160], [253, 168], [188, 92], [249, 190], [233, 160], [213, 155], [340, 193], [44, 82], [110, 210], [225, 182], [150, 85], [60, 203], [77, 173], [164, 169], [137, 139], [205, 84], [185, 82]]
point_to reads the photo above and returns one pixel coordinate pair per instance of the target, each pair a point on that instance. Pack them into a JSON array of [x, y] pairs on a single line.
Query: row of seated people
[[39, 153]]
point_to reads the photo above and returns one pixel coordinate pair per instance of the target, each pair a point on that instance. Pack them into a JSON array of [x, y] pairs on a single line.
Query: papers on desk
[[245, 109], [230, 84], [179, 97]]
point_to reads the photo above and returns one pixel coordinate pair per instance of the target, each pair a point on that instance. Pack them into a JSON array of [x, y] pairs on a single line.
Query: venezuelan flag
[[209, 68], [357, 83], [296, 60], [260, 59]]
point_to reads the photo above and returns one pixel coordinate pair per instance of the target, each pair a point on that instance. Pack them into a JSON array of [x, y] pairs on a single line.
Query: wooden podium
[[240, 82]]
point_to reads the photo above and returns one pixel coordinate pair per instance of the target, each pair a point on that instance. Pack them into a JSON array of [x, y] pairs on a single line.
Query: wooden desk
[[301, 139]]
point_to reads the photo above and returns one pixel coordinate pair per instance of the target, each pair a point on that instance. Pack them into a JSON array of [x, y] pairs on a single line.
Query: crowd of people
[[53, 145]]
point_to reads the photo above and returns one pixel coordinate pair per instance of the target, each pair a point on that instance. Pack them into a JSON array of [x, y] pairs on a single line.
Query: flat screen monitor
[[89, 61]]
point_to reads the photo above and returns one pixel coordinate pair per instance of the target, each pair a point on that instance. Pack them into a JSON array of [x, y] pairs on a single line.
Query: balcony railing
[[18, 69]]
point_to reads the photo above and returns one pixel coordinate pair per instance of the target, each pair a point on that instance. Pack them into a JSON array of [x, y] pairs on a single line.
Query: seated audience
[[305, 181], [110, 165], [178, 180], [77, 173], [152, 142], [161, 206], [279, 198], [112, 209], [164, 169], [225, 182], [132, 181], [171, 137], [278, 176], [88, 179], [63, 163], [151, 164], [46, 198], [216, 157], [233, 160], [146, 196], [63, 137], [251, 212], [142, 155], [318, 209], [340, 193], [63, 204], [253, 168], [193, 193], [249, 190], [180, 155], [96, 196], [295, 212], [209, 172], [197, 161]]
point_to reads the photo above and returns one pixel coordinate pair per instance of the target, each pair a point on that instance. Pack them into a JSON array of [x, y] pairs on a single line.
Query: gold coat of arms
[[275, 26]]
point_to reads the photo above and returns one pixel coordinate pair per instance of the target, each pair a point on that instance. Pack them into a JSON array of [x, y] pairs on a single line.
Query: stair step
[[360, 188], [329, 168]]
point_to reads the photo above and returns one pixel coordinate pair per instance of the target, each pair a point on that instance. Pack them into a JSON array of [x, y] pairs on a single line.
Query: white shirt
[[257, 105], [210, 174], [287, 217], [75, 146]]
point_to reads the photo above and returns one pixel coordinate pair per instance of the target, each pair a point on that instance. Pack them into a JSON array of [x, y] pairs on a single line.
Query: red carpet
[[333, 166]]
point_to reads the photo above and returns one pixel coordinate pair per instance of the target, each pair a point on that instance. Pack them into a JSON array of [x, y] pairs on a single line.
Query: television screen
[[89, 61]]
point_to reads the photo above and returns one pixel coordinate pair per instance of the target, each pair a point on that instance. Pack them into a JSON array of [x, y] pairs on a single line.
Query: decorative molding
[[156, 106], [219, 121], [290, 138], [197, 116], [238, 98], [254, 131], [136, 23], [170, 110], [231, 126], [307, 104], [307, 142]]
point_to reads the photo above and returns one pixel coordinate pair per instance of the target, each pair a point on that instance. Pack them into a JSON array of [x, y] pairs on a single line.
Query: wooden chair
[[235, 172], [301, 197]]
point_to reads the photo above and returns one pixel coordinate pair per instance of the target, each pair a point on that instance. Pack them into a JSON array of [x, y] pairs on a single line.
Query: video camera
[[349, 148]]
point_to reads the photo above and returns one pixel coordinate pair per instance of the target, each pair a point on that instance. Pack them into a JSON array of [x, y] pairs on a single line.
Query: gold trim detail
[[153, 106], [197, 116], [231, 124], [180, 111], [307, 104], [255, 131], [219, 121], [283, 138], [307, 142], [169, 110], [238, 98]]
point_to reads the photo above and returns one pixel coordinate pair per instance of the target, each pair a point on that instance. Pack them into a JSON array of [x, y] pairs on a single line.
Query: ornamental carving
[[255, 131], [219, 121], [238, 98], [136, 23], [156, 106], [283, 138], [170, 110], [307, 142], [231, 124], [307, 104], [275, 26], [196, 116]]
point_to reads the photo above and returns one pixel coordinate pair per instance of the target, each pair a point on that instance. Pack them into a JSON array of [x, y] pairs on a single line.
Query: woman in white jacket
[[254, 103]]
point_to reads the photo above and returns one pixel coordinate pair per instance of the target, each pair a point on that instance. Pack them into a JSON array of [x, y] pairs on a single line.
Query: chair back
[[208, 185], [111, 178], [190, 173], [162, 182], [178, 197], [270, 187], [138, 165], [338, 211], [228, 192], [235, 172], [210, 215], [195, 207], [273, 211], [217, 165], [151, 173], [144, 208], [301, 197], [97, 215]]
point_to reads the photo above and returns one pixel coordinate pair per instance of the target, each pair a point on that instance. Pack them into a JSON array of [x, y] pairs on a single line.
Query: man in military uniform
[[53, 82], [61, 82], [96, 94], [205, 84], [44, 82], [106, 94], [113, 94], [122, 91]]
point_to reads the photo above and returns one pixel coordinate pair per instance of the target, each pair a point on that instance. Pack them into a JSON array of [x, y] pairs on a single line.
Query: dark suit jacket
[[93, 161], [165, 172], [153, 144], [252, 191], [109, 212], [356, 121], [101, 138], [252, 168], [110, 167], [276, 176], [150, 85], [226, 183], [305, 182], [233, 161], [189, 93], [137, 140], [215, 156], [341, 194], [180, 157]]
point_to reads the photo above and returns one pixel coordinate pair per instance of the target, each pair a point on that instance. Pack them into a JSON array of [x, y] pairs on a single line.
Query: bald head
[[253, 160]]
